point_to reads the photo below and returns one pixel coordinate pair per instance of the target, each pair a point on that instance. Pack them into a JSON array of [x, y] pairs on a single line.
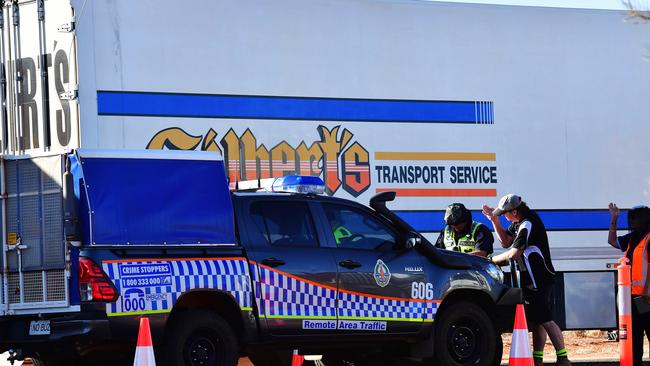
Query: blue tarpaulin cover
[[152, 197]]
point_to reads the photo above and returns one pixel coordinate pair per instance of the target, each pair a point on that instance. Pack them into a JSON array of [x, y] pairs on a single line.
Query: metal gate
[[34, 257]]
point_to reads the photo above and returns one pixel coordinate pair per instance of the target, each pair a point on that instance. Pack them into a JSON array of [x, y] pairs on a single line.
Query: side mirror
[[412, 242]]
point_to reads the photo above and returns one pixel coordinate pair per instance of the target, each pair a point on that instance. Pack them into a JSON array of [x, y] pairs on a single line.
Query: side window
[[353, 228], [284, 223]]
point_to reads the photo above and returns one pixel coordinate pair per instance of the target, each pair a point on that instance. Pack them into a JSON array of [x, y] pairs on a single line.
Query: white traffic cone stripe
[[144, 356], [520, 344]]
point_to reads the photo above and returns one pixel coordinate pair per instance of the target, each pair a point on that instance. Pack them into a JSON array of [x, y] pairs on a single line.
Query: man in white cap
[[526, 237]]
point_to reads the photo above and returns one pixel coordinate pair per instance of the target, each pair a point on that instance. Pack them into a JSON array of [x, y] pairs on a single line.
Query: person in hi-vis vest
[[635, 246], [462, 234]]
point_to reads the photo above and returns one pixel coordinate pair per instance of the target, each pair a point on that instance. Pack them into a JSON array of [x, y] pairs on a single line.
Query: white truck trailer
[[440, 102]]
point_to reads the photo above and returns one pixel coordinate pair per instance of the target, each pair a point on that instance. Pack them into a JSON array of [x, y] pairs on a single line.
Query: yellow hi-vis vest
[[639, 265], [466, 243]]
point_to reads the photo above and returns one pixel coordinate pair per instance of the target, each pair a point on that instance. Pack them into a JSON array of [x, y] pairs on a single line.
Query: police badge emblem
[[381, 273]]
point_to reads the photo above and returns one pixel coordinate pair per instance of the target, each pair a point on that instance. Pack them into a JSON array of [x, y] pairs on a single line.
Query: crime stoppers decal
[[154, 285]]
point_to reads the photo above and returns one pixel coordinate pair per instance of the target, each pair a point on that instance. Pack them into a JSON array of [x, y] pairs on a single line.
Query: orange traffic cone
[[520, 354], [144, 348], [297, 359], [625, 312]]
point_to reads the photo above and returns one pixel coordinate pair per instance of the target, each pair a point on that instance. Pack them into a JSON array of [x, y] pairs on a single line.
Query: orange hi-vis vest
[[639, 265]]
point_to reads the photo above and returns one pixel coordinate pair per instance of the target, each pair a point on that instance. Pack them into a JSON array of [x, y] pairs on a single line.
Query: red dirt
[[581, 345]]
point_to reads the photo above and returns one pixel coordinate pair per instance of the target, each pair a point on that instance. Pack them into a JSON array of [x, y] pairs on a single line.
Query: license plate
[[39, 327]]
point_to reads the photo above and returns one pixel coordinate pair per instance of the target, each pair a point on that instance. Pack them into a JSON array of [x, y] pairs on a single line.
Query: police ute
[[156, 160], [97, 239]]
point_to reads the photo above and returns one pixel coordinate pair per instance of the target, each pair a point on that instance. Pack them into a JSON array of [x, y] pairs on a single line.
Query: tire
[[498, 351], [465, 335], [199, 338]]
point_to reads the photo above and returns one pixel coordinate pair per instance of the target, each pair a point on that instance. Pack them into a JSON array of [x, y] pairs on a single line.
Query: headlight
[[495, 272]]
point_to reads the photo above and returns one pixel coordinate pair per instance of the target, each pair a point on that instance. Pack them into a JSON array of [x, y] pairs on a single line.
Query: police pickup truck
[[94, 240]]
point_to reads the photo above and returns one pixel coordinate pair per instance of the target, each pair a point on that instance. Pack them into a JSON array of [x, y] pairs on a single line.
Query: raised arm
[[613, 213], [504, 236]]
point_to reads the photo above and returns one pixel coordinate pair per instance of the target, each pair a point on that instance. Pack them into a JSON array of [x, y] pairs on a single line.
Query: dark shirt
[[484, 238], [633, 237], [529, 232]]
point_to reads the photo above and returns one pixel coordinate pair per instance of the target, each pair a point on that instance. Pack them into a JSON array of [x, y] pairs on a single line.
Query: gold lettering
[[210, 143], [256, 161], [356, 169], [331, 147], [283, 160], [245, 160], [309, 159], [230, 143], [174, 138]]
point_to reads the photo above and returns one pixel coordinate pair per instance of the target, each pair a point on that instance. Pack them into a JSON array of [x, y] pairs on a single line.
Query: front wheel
[[465, 336], [498, 351], [200, 338]]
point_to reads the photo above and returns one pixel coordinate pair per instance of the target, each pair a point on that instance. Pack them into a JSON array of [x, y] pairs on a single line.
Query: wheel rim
[[463, 341], [202, 349]]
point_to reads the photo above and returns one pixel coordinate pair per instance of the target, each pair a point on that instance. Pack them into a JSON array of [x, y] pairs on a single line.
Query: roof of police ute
[[294, 196]]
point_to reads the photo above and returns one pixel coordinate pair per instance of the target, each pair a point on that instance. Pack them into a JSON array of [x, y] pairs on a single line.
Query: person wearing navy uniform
[[462, 234], [528, 246]]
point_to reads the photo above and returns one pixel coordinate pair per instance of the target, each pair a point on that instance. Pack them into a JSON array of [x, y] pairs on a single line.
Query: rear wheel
[[465, 336], [200, 338]]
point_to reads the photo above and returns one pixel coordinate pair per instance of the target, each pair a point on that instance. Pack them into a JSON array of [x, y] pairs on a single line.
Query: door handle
[[272, 262], [349, 264]]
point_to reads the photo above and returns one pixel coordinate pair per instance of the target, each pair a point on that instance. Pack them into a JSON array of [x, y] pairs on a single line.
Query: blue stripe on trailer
[[554, 220], [123, 103]]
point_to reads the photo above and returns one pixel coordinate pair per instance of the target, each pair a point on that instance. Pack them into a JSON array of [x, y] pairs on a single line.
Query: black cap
[[640, 214], [456, 213]]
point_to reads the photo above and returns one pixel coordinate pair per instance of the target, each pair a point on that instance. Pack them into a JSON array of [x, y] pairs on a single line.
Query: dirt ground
[[583, 345]]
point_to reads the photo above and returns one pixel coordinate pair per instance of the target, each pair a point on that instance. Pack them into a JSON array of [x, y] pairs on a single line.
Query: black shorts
[[539, 304]]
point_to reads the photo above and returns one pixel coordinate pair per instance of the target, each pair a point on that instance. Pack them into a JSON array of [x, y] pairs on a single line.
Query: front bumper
[[505, 309], [511, 297]]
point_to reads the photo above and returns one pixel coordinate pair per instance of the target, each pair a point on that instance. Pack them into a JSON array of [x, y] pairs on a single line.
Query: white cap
[[508, 202]]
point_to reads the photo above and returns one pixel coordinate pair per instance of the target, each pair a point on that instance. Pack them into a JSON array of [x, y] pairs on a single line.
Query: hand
[[489, 213], [613, 210]]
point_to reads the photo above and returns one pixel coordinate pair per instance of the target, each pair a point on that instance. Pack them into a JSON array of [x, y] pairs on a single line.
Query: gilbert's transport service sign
[[332, 149]]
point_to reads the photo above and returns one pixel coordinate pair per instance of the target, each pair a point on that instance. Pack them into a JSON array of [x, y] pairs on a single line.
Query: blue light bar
[[299, 184]]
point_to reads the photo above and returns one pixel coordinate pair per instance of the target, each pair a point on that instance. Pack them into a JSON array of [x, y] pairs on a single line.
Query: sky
[[579, 4]]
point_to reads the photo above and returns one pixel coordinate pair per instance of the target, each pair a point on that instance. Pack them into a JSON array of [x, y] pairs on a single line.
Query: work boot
[[563, 361], [538, 361]]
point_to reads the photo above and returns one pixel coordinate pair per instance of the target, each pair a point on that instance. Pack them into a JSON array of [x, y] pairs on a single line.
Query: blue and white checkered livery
[[149, 286], [362, 306], [281, 295]]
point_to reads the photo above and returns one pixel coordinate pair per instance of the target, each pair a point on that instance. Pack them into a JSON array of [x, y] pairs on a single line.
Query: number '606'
[[422, 290]]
